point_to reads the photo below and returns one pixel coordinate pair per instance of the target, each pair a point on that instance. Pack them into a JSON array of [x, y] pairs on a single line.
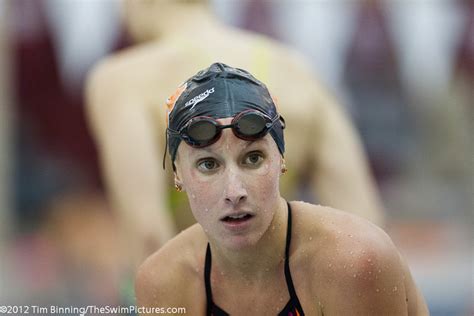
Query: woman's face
[[232, 186]]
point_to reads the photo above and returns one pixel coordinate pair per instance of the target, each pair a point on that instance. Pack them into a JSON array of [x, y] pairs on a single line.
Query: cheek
[[203, 193], [265, 180]]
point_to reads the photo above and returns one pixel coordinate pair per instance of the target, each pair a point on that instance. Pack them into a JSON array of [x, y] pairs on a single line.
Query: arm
[[162, 281], [125, 136], [342, 177]]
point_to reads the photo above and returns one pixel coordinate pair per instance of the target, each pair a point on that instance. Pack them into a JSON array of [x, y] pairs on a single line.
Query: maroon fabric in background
[[465, 56], [52, 118], [257, 17], [372, 77]]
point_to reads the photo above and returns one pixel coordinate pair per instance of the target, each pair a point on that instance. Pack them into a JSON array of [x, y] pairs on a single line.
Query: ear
[[177, 181]]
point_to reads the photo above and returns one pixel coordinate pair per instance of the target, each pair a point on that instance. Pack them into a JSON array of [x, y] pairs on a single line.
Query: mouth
[[237, 221], [237, 218]]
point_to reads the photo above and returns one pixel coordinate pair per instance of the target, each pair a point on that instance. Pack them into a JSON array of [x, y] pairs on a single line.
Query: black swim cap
[[220, 91]]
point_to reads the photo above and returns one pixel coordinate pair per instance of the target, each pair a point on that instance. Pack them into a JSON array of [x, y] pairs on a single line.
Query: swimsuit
[[292, 308]]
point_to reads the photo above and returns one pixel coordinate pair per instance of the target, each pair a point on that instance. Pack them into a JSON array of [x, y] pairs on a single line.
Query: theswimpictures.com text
[[87, 310]]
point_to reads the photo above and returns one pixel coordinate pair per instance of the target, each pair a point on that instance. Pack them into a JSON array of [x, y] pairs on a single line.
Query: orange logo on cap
[[171, 101]]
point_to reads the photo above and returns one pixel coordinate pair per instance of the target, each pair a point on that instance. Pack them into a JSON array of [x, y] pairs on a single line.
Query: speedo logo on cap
[[199, 98]]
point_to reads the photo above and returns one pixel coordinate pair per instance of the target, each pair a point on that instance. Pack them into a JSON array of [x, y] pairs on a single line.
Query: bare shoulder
[[356, 268], [173, 276], [131, 64], [132, 83]]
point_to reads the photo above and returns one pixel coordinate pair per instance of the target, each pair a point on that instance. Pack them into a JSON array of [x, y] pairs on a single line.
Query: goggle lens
[[250, 124], [201, 131]]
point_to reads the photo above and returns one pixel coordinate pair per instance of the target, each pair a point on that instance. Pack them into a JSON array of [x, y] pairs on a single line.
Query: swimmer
[[125, 97], [252, 252]]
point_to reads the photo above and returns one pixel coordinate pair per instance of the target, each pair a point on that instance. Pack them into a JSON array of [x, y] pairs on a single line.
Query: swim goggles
[[202, 131]]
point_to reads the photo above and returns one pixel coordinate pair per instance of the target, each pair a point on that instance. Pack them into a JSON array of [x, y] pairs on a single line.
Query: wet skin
[[234, 177]]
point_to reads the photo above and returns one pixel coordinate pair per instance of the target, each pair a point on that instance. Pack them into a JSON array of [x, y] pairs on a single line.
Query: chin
[[238, 242]]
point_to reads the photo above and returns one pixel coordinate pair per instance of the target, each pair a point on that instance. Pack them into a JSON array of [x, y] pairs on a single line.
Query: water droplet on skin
[[377, 290], [350, 235], [310, 238], [395, 289], [379, 271], [267, 269], [207, 210], [369, 260], [352, 252], [330, 265], [273, 227], [344, 266], [354, 275], [193, 196], [351, 265]]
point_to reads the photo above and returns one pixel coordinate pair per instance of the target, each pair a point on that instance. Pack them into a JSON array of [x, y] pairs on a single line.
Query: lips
[[235, 218]]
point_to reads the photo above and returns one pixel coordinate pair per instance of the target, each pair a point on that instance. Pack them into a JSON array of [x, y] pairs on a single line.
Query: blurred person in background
[[125, 99]]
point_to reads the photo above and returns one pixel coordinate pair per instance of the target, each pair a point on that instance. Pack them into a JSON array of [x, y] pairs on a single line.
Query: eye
[[253, 159], [207, 164]]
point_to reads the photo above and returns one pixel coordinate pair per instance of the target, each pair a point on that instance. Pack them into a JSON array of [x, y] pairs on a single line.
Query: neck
[[185, 19], [260, 260]]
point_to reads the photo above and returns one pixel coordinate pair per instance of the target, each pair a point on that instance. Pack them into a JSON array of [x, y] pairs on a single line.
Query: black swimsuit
[[292, 308]]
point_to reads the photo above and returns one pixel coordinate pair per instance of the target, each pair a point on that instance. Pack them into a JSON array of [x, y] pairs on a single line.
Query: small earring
[[178, 187], [283, 167]]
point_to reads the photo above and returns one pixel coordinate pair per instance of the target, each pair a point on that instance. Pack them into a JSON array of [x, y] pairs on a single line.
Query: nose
[[235, 191]]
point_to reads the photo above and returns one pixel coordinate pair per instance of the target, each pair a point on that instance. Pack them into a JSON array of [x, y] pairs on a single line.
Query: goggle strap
[[166, 148]]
